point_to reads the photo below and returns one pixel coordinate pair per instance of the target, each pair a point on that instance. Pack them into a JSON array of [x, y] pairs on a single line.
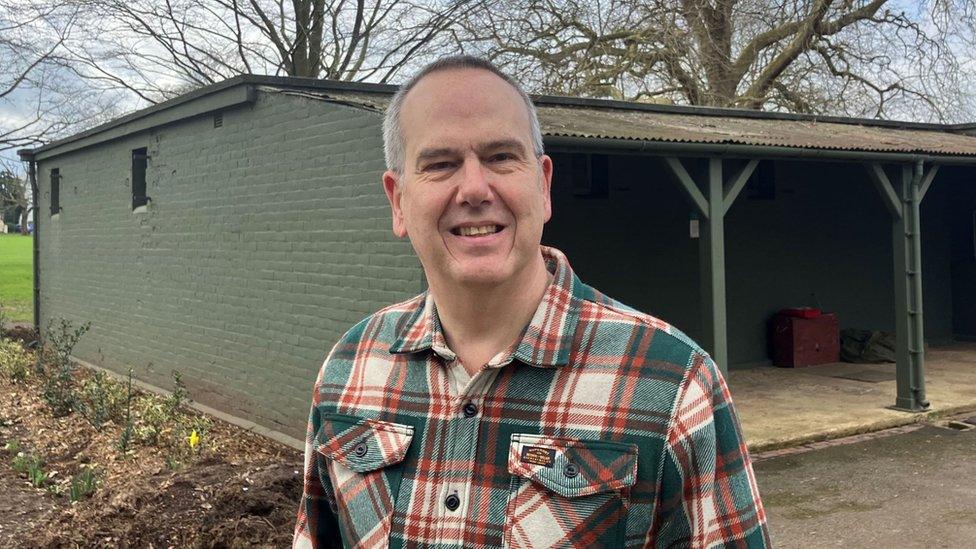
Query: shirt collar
[[546, 340]]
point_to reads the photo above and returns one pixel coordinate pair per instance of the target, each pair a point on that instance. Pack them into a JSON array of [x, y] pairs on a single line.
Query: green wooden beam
[[883, 184], [688, 184], [736, 184], [712, 257], [909, 323], [927, 181]]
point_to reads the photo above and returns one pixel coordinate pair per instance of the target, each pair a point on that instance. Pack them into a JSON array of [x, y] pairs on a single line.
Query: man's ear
[[545, 163], [393, 194]]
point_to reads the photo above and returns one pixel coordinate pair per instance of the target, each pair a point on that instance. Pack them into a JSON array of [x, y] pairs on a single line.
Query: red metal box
[[805, 341]]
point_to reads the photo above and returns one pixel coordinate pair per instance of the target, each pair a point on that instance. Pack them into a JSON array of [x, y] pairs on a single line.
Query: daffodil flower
[[193, 439]]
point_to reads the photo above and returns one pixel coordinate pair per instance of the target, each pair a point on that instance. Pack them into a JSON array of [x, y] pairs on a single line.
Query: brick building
[[236, 232]]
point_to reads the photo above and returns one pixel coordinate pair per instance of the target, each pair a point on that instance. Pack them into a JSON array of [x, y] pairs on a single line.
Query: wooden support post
[[712, 256], [906, 243], [712, 205]]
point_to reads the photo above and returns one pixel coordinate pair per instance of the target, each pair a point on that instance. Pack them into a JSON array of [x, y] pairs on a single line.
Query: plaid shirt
[[600, 426]]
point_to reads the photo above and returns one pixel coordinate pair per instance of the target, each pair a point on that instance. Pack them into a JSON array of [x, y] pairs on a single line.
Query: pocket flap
[[573, 467], [363, 444]]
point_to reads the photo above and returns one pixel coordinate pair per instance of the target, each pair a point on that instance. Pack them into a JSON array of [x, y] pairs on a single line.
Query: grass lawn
[[17, 277]]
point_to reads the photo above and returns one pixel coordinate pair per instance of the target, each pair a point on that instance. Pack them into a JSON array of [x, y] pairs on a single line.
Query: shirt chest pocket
[[568, 492], [363, 461]]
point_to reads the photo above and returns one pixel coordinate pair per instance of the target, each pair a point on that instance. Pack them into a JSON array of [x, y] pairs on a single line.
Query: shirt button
[[470, 410], [452, 502], [571, 470], [361, 449]]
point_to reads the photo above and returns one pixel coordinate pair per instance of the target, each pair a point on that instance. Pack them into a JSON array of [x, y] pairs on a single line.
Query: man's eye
[[501, 157], [438, 166]]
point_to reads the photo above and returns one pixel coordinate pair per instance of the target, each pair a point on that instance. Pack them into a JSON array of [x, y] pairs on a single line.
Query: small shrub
[[60, 392], [102, 399], [83, 484], [15, 363], [162, 417]]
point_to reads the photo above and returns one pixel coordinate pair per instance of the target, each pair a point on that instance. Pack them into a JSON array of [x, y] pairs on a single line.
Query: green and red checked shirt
[[600, 426]]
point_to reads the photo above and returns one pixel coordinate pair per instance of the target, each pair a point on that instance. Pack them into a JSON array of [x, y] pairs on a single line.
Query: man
[[511, 404]]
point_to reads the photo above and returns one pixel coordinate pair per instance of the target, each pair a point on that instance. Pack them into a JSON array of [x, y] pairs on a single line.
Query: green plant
[[36, 474], [83, 484], [161, 417], [31, 466], [21, 463], [125, 439], [59, 384], [101, 399], [15, 362], [12, 446]]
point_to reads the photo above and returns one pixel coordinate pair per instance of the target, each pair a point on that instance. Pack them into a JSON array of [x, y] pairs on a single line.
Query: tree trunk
[[23, 221]]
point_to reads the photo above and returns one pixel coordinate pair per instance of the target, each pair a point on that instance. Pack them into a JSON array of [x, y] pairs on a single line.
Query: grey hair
[[393, 145]]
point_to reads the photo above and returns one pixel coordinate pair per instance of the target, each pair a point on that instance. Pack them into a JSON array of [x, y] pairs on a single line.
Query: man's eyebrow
[[503, 144], [498, 144], [427, 154]]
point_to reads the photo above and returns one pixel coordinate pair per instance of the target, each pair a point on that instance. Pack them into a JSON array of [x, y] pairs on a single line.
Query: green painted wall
[[960, 184], [826, 232], [265, 240]]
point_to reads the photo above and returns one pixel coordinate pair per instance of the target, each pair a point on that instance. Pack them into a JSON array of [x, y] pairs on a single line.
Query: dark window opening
[[139, 161], [55, 191], [218, 119]]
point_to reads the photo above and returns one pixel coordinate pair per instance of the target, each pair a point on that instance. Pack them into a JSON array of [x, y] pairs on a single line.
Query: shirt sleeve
[[316, 525], [709, 496]]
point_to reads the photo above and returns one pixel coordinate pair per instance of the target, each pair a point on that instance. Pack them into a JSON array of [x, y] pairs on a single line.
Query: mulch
[[241, 490]]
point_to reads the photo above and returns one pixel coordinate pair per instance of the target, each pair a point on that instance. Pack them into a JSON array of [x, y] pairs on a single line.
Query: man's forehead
[[445, 86], [447, 100]]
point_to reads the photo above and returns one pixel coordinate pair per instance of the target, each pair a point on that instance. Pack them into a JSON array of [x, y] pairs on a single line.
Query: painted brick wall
[[264, 241]]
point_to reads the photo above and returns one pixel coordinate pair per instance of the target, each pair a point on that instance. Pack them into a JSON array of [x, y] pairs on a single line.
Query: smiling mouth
[[483, 230]]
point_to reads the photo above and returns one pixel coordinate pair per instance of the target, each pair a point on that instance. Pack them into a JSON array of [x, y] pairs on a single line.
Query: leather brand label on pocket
[[537, 455]]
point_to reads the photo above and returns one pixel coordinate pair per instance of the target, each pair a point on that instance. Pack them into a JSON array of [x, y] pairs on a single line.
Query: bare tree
[[14, 195], [40, 98], [29, 39], [157, 50], [855, 57]]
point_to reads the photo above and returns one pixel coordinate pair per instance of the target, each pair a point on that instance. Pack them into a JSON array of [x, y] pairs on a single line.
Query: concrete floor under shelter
[[783, 407]]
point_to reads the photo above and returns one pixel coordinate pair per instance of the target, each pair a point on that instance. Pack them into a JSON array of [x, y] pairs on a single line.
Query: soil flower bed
[[133, 482]]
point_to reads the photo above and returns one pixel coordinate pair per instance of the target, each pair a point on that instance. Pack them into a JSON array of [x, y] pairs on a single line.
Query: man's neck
[[480, 322]]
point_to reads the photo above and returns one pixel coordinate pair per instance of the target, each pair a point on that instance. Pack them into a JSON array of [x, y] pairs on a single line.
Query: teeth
[[477, 231]]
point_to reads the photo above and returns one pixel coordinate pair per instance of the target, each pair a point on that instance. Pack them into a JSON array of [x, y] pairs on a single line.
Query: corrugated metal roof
[[684, 128], [589, 121]]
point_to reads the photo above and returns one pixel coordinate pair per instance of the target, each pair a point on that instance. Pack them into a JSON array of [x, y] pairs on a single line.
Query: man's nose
[[474, 188]]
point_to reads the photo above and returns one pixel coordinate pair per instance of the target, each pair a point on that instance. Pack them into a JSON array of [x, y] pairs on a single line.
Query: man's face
[[473, 197]]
